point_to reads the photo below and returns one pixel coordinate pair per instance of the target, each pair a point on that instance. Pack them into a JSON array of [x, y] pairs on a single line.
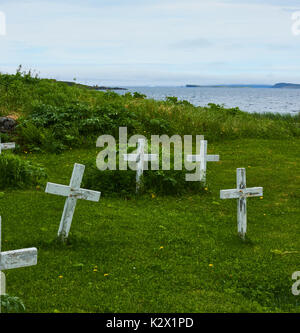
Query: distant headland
[[277, 85], [96, 87]]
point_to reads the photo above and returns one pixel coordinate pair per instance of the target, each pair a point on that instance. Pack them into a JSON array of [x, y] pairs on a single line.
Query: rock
[[7, 124]]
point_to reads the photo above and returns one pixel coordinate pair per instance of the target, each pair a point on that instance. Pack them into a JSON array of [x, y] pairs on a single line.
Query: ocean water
[[247, 99]]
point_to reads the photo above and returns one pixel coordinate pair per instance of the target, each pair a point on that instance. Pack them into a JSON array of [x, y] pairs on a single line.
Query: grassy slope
[[124, 239]]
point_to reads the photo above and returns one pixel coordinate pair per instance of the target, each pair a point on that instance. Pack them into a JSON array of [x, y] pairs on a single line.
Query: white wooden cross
[[203, 158], [72, 192], [140, 157], [241, 193], [7, 145], [15, 259]]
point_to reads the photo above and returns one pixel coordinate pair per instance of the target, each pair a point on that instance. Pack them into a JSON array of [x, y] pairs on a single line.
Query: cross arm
[[150, 157], [85, 194], [58, 189], [254, 192], [213, 158], [230, 194], [8, 145], [193, 158], [18, 258], [131, 157], [135, 157], [197, 158], [238, 193]]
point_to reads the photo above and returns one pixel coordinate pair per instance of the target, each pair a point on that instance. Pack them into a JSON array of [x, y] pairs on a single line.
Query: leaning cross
[[203, 158], [15, 259], [72, 192], [140, 157], [7, 145], [241, 193]]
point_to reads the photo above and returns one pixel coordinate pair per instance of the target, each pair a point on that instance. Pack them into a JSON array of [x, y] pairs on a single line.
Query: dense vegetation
[[150, 253], [54, 116], [17, 173]]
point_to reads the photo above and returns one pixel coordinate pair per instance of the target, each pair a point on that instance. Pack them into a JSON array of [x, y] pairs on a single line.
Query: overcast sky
[[153, 42]]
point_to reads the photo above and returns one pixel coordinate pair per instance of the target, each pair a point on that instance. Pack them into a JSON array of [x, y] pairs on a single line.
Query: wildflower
[[161, 247], [152, 195], [211, 265], [60, 276], [206, 189], [105, 274], [261, 198], [95, 270]]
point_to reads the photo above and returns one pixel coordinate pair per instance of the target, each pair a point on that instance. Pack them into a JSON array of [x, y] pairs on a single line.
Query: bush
[[123, 182], [10, 304], [17, 173]]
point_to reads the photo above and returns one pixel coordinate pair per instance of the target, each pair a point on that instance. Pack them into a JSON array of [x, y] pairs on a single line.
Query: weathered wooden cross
[[203, 158], [241, 193], [140, 158], [72, 192], [15, 259], [7, 145]]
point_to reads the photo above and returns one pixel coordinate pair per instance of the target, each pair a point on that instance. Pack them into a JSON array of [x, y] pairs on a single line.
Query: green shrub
[[10, 304], [123, 182], [17, 173]]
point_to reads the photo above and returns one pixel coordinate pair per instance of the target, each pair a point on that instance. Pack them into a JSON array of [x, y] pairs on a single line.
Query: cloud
[[151, 40]]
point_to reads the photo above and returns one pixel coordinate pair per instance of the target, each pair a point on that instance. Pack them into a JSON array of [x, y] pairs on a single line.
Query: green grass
[[158, 251]]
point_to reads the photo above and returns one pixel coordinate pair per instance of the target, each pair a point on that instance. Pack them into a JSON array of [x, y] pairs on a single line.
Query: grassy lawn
[[163, 254]]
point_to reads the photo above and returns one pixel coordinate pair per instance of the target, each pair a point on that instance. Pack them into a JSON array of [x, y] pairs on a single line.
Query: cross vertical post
[[241, 203], [140, 158], [140, 162], [70, 204], [2, 285]]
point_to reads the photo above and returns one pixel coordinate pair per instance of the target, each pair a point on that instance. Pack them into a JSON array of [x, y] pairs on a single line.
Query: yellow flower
[[60, 276], [206, 189], [152, 195], [161, 247], [95, 270], [211, 265], [261, 198], [105, 274]]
